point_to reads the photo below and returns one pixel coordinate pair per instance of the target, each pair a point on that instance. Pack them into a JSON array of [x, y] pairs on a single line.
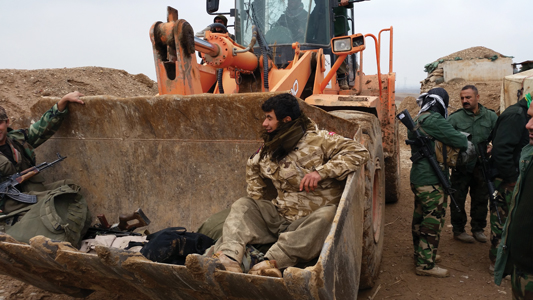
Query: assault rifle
[[427, 151], [123, 228], [493, 193], [7, 188]]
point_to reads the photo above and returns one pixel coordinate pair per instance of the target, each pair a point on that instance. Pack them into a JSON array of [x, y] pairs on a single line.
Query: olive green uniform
[[297, 222], [430, 200], [514, 251], [470, 176]]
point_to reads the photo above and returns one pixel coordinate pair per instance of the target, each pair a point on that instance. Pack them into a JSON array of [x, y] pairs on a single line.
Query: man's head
[[280, 108], [470, 98], [4, 124], [293, 4], [529, 125], [221, 19]]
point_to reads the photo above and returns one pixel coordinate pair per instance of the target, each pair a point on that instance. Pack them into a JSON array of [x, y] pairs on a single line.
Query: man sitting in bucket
[[307, 167]]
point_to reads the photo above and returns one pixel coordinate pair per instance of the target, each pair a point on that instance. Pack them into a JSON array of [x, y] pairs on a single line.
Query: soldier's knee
[[243, 202]]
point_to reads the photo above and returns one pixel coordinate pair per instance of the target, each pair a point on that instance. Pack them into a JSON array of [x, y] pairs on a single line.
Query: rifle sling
[[15, 212]]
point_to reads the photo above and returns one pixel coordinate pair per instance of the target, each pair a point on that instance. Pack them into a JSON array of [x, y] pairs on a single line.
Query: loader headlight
[[342, 45]]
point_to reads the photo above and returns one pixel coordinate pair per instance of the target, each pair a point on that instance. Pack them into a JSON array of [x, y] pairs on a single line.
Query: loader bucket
[[180, 159]]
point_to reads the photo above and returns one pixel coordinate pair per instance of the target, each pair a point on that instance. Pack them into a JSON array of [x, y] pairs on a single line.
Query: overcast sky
[[115, 33]]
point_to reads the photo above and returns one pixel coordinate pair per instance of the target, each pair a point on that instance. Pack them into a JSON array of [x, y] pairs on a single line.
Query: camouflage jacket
[[24, 141], [331, 155]]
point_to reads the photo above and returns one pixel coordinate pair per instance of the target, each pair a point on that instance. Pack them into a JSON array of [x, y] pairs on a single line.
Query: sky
[[115, 33]]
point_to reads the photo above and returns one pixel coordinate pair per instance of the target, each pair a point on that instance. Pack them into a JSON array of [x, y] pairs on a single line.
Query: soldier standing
[[509, 136], [430, 200], [514, 251], [478, 121]]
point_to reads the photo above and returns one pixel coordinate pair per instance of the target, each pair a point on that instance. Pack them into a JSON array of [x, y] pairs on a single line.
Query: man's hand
[[310, 181], [70, 97], [343, 3]]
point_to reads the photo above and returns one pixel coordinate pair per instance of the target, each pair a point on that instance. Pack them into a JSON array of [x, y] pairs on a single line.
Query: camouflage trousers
[[496, 227], [428, 220], [522, 285], [479, 198]]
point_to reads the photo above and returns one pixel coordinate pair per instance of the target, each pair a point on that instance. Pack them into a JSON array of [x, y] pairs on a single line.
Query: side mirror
[[211, 6], [348, 44]]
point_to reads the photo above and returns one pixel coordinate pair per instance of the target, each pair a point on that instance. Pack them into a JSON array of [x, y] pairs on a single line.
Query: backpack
[[60, 214], [172, 245]]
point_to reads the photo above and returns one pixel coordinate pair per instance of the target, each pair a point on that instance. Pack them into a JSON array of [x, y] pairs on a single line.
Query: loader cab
[[283, 22]]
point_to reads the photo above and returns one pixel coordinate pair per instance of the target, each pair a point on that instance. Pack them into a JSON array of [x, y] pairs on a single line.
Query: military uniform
[[22, 144], [471, 176], [509, 136], [514, 251], [430, 200], [297, 222]]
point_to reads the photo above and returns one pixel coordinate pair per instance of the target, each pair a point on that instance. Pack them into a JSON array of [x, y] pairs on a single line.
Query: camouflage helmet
[[3, 114]]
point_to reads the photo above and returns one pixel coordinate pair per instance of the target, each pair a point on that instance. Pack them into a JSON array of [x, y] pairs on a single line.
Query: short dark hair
[[283, 105], [470, 87]]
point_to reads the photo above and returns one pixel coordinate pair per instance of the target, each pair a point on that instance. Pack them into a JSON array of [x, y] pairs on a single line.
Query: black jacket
[[509, 136]]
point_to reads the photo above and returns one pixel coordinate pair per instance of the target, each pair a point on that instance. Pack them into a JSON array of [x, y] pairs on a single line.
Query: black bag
[[172, 245]]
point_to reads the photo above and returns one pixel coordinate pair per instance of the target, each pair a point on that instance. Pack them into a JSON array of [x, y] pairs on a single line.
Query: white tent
[[512, 84]]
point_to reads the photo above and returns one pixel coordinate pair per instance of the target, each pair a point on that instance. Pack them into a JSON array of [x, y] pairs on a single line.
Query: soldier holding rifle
[[429, 182], [17, 154]]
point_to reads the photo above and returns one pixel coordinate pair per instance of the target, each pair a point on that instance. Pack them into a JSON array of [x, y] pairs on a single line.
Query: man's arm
[[255, 184], [343, 157], [51, 120], [507, 138], [436, 126]]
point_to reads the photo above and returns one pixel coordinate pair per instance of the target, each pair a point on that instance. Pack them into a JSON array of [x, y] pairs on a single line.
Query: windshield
[[284, 21]]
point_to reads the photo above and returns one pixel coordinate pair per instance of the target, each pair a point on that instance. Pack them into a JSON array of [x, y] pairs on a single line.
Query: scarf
[[435, 99], [281, 141]]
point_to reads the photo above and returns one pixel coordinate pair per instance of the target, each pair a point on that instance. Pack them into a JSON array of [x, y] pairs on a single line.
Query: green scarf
[[280, 142]]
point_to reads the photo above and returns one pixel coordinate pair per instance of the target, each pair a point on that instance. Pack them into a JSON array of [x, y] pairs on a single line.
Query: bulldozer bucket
[[181, 159]]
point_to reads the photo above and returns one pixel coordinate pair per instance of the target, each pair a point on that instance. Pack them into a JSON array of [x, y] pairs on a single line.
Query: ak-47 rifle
[[493, 193], [7, 188], [426, 151], [123, 228]]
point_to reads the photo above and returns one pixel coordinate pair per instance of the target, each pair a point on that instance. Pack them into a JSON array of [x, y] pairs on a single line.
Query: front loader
[[181, 156]]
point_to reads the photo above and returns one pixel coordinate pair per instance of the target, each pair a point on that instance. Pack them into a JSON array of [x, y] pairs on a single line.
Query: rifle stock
[[426, 151]]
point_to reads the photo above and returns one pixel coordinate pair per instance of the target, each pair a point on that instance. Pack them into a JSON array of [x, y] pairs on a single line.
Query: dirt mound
[[489, 91], [20, 89], [473, 53]]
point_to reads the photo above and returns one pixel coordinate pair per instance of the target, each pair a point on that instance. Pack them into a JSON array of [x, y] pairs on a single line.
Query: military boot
[[266, 268], [464, 237], [480, 236], [435, 272]]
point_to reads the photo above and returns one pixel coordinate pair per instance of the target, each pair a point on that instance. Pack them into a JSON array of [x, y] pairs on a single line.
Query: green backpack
[[60, 214]]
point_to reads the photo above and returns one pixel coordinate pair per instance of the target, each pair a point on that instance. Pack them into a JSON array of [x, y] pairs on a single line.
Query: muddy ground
[[468, 263]]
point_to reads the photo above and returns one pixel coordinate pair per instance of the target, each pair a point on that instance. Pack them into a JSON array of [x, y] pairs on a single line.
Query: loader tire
[[374, 211], [392, 170]]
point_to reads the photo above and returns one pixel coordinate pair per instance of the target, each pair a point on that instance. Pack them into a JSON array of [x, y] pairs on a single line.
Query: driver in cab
[[295, 19]]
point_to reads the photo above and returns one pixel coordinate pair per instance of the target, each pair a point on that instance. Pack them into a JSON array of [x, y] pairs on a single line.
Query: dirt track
[[468, 263]]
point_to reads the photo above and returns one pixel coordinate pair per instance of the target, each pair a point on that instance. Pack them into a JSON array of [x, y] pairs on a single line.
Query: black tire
[[374, 215]]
